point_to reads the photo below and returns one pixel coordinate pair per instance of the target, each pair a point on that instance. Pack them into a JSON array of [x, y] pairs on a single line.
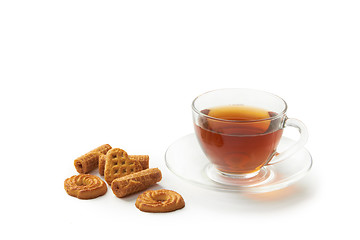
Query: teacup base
[[186, 160], [251, 179]]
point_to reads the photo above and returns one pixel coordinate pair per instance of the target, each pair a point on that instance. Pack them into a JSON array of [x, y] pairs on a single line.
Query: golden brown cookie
[[118, 164], [159, 201], [102, 161], [90, 161], [135, 182], [85, 186], [143, 160]]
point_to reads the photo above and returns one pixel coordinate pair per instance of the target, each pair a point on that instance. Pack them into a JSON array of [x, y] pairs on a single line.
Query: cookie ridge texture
[[85, 186], [90, 161], [162, 200], [135, 182]]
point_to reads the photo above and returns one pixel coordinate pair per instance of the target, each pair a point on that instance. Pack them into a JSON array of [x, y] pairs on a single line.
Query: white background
[[78, 74]]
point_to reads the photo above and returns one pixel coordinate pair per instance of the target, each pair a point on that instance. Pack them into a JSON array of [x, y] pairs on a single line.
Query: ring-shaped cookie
[[85, 186], [159, 201]]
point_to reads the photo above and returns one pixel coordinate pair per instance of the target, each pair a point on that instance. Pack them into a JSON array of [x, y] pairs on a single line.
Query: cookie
[[135, 182], [118, 164], [85, 186], [90, 161], [142, 159], [159, 201], [102, 161]]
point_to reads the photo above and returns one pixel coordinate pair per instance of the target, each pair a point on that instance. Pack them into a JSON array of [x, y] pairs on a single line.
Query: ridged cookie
[[159, 201], [142, 159], [135, 182], [85, 186], [90, 161]]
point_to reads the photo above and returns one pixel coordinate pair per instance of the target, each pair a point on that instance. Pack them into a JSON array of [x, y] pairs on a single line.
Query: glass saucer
[[186, 160]]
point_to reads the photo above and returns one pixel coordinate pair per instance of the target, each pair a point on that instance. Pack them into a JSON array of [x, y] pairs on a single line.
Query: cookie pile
[[126, 174]]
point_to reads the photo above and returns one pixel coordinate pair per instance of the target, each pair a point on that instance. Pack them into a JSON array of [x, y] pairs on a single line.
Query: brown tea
[[238, 139]]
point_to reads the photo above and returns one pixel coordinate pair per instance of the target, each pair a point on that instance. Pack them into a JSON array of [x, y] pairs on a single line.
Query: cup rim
[[280, 114]]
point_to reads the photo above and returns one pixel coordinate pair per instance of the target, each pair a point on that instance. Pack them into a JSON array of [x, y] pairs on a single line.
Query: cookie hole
[[115, 163], [123, 162], [124, 170], [116, 171], [131, 170], [114, 156]]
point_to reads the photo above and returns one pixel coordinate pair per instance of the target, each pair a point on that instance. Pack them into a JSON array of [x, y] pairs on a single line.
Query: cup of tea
[[239, 130]]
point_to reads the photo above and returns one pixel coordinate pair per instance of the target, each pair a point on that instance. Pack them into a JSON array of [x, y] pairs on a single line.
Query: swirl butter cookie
[[159, 201], [85, 186]]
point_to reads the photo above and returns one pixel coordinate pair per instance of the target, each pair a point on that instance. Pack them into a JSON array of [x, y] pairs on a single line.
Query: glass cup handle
[[292, 122]]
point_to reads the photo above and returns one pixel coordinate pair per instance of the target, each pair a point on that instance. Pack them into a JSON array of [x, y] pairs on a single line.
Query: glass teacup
[[239, 131]]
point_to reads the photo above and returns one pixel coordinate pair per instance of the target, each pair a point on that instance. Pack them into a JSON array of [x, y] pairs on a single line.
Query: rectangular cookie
[[143, 160]]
